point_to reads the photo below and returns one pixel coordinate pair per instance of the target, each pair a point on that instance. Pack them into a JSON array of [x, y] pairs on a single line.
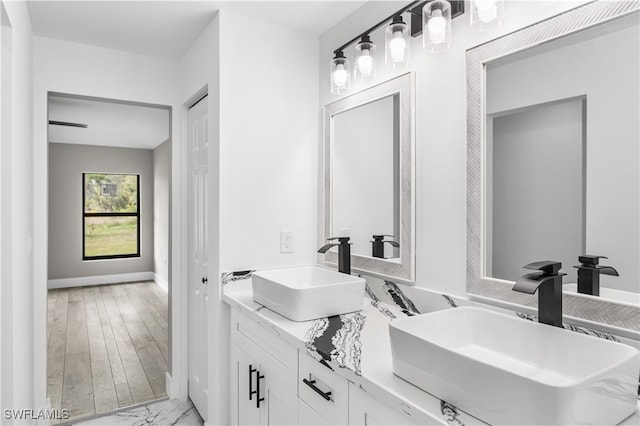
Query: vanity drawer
[[323, 390]]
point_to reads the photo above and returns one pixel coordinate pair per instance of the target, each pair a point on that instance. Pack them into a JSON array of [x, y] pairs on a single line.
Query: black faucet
[[344, 253], [589, 274], [378, 245], [548, 282]]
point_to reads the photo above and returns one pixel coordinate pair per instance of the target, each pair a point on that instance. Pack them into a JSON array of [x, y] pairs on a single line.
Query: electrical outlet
[[286, 241]]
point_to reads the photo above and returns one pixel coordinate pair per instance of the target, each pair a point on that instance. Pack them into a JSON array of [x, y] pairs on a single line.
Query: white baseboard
[[161, 282], [170, 386], [100, 279], [176, 388]]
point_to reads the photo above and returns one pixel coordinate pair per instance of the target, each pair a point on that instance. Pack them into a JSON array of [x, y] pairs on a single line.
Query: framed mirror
[[369, 178], [553, 158]]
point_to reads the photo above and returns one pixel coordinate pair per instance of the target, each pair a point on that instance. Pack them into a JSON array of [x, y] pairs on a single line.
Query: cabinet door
[[282, 409], [280, 397], [307, 416], [256, 377], [244, 387], [366, 410]]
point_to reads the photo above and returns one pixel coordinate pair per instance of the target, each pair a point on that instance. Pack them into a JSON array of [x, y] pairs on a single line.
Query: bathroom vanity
[[325, 371], [335, 370]]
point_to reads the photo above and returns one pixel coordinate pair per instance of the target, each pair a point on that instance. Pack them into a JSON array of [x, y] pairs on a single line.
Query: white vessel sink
[[308, 292], [506, 370]]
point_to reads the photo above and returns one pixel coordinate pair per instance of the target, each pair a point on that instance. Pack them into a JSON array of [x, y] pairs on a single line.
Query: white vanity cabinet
[[364, 410], [324, 395], [272, 383], [263, 373]]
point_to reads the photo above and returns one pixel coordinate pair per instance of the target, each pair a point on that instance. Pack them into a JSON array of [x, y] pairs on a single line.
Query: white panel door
[[198, 254]]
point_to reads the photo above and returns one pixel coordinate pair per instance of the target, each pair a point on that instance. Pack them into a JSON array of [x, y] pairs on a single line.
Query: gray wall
[[66, 164], [536, 202], [161, 179], [363, 174]]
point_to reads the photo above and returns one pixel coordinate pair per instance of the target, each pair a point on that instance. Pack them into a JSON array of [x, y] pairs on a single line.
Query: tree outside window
[[111, 214]]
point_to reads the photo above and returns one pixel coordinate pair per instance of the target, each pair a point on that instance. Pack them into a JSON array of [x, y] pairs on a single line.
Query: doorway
[[109, 254]]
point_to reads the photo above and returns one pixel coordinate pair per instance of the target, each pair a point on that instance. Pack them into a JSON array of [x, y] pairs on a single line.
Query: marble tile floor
[[168, 412]]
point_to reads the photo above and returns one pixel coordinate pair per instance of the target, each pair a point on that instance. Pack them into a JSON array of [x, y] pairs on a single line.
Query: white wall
[[263, 125], [440, 128], [199, 74], [18, 339], [268, 137], [6, 42], [604, 68], [67, 163], [161, 183], [66, 67]]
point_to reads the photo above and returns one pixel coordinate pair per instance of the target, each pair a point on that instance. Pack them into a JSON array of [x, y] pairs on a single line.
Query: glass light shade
[[396, 40], [365, 63], [436, 25], [340, 74], [486, 14]]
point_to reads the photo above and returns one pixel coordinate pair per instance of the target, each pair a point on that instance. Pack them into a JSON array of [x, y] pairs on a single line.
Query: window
[[111, 215]]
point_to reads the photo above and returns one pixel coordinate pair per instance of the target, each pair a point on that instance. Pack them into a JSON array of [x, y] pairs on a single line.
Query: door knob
[[204, 280]]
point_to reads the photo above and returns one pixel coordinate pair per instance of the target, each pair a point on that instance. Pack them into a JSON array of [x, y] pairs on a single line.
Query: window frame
[[85, 215]]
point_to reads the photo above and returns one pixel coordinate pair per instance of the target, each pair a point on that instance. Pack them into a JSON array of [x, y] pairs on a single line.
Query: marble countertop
[[357, 347], [358, 353]]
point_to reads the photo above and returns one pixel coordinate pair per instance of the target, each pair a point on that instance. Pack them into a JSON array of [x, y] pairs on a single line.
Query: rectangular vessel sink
[[308, 292], [506, 370]]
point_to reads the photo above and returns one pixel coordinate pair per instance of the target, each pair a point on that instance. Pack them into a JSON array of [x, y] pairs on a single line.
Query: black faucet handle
[[381, 237], [590, 260], [548, 267], [341, 240]]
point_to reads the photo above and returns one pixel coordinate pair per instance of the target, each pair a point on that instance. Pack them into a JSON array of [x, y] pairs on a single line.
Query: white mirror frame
[[402, 268], [592, 309]]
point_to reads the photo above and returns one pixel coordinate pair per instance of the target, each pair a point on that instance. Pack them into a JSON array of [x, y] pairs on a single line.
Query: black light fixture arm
[[415, 8], [378, 25]]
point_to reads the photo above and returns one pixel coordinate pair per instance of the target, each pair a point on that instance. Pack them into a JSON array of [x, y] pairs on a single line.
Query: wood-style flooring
[[107, 347]]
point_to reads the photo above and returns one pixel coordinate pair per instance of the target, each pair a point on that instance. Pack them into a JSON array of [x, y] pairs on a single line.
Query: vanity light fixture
[[365, 64], [396, 41], [340, 73], [436, 19], [486, 14]]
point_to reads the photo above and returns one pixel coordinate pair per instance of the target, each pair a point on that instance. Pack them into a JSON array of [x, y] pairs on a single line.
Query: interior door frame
[[177, 374]]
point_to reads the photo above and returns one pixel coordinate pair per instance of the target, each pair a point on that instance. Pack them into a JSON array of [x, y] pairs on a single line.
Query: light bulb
[[437, 26], [365, 62], [397, 47], [487, 10], [340, 76]]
